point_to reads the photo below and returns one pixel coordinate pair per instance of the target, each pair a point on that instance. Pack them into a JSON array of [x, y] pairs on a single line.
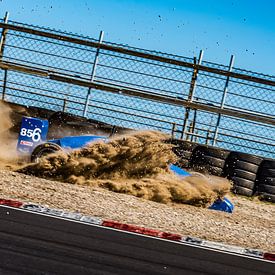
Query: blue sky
[[221, 28]]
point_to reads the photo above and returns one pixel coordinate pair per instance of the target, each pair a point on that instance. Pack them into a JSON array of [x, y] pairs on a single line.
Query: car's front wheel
[[44, 149]]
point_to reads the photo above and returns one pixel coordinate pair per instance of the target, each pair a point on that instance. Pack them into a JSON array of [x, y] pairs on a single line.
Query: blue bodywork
[[34, 131], [179, 171], [76, 142], [223, 205], [220, 204]]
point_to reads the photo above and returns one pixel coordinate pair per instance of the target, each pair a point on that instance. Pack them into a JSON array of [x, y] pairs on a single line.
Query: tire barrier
[[209, 159], [183, 149], [60, 120], [266, 180], [242, 169], [250, 174]]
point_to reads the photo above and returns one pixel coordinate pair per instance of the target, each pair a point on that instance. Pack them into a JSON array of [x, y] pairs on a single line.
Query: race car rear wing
[[33, 132]]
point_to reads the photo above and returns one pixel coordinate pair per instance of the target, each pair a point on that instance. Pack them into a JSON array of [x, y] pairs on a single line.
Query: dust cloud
[[136, 164], [8, 141]]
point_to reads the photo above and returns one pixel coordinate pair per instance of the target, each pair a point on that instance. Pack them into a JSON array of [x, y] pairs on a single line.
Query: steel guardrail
[[136, 53], [208, 103]]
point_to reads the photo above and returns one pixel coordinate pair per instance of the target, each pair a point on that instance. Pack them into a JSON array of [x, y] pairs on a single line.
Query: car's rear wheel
[[43, 150]]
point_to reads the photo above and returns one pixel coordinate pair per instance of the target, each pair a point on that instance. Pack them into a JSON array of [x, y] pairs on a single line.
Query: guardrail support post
[[101, 35], [191, 91], [196, 136], [4, 84], [231, 64], [65, 102], [207, 137], [3, 36], [2, 45], [173, 130], [194, 124]]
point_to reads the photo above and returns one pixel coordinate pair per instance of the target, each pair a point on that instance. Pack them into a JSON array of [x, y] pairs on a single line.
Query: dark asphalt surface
[[38, 244]]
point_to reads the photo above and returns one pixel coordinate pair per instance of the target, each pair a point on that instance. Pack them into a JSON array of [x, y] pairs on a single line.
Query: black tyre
[[211, 152], [182, 153], [241, 161], [267, 172], [63, 117], [43, 150], [244, 174], [234, 156], [183, 150], [204, 168], [183, 163], [243, 165], [187, 154], [242, 191], [268, 163], [243, 182], [184, 145], [228, 170], [211, 161], [266, 180], [215, 171], [270, 189], [267, 197]]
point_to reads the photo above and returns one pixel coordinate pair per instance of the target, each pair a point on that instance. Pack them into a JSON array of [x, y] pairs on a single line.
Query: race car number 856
[[34, 134]]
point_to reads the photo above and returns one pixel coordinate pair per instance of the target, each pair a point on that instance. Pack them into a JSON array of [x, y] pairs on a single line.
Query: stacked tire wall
[[242, 169], [250, 174], [184, 150], [266, 180], [209, 159]]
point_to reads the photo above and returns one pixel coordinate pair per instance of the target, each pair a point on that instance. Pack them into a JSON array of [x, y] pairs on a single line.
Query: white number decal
[[23, 132], [29, 133], [34, 134]]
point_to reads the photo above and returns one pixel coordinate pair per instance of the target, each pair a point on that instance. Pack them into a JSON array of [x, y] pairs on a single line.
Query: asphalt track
[[32, 243]]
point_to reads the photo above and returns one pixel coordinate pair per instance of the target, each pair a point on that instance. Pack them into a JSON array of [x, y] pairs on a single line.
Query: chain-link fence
[[135, 88]]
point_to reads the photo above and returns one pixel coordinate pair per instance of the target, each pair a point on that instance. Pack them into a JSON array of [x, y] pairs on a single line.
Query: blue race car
[[32, 141]]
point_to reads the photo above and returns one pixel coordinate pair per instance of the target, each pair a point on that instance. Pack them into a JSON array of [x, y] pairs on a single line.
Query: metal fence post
[[4, 84], [93, 74], [2, 45], [65, 103], [194, 124], [173, 130], [230, 67], [191, 91], [3, 36]]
